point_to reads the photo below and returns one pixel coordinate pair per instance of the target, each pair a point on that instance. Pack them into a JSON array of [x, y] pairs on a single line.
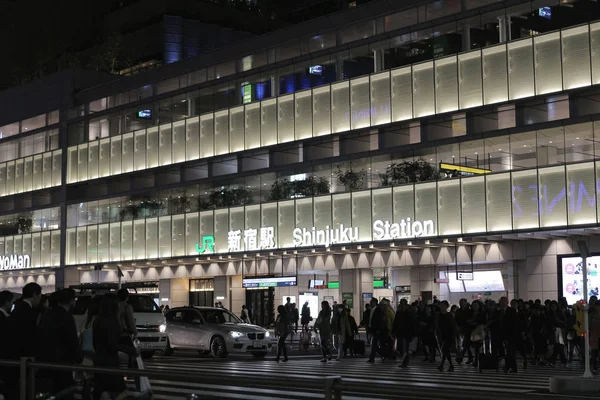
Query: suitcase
[[488, 361], [359, 347]]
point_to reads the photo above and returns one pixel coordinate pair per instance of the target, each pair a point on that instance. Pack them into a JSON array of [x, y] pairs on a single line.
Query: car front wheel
[[218, 348]]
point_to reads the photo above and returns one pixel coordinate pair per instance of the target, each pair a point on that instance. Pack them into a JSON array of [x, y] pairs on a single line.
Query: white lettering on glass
[[404, 229], [253, 239], [15, 262], [326, 237]]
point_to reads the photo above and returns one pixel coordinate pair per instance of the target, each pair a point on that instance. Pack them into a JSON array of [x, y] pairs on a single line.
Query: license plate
[[257, 345]]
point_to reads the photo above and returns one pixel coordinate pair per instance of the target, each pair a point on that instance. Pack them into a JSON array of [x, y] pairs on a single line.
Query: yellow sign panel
[[461, 168]]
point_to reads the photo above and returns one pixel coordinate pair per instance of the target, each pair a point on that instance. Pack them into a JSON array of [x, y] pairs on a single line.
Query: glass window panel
[[322, 212], [152, 144], [321, 111], [139, 239], [470, 81], [404, 203], [179, 140], [303, 115], [38, 172], [151, 238], [382, 205], [93, 159], [252, 122], [19, 176], [127, 240], [342, 210], [139, 150], [360, 103], [10, 178], [522, 150], [55, 248], [380, 99], [104, 158], [47, 169], [127, 153], [525, 199], [268, 122], [446, 85], [548, 71], [116, 152], [164, 236], [361, 201], [426, 210], [36, 250], [340, 107], [221, 132], [192, 229], [207, 227], [237, 222], [82, 163], [473, 204], [579, 142], [576, 57], [28, 174], [165, 142], [221, 230], [92, 243], [115, 241], [520, 69], [595, 44], [552, 198], [252, 219], [207, 136], [402, 92], [449, 200], [192, 139], [498, 202], [286, 223], [423, 91], [269, 218], [285, 118], [103, 243], [495, 75], [2, 179], [46, 249], [236, 129], [178, 235], [56, 167], [304, 213]]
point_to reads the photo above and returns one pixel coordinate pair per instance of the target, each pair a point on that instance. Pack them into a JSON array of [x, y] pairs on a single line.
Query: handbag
[[478, 334]]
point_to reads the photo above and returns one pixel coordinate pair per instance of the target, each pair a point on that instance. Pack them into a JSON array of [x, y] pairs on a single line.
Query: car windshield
[[218, 317], [143, 304]]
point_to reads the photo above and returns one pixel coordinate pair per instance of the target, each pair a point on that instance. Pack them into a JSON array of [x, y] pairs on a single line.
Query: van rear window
[[143, 304]]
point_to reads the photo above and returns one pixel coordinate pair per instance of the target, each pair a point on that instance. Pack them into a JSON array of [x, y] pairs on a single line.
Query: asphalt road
[[360, 380]]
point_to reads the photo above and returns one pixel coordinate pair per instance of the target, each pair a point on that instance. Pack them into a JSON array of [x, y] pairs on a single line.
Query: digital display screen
[[454, 285], [269, 282], [545, 12], [485, 281], [572, 278], [247, 94], [316, 284], [315, 70], [144, 114], [333, 285], [378, 283]]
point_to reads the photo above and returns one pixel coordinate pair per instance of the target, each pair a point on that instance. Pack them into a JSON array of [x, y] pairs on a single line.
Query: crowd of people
[[43, 327], [540, 333]]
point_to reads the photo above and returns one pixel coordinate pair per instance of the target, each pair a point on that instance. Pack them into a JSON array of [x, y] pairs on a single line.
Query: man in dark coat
[[22, 329], [6, 299], [58, 340], [376, 328], [404, 329]]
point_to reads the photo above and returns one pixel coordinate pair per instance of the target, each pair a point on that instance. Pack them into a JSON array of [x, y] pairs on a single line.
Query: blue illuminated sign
[[144, 114], [545, 12], [316, 70]]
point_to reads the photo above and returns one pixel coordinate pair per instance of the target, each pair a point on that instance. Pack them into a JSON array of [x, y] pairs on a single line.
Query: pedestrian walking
[[323, 325], [282, 326], [447, 334]]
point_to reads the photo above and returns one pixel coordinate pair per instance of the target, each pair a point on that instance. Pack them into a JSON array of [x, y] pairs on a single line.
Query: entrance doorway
[[260, 304], [202, 292]]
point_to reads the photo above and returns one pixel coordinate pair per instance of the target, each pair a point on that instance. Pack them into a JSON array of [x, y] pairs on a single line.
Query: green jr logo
[[208, 245]]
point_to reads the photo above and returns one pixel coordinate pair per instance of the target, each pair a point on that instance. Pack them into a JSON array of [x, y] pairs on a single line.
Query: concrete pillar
[[164, 290], [222, 290], [237, 294], [466, 37], [546, 155], [502, 28], [180, 292]]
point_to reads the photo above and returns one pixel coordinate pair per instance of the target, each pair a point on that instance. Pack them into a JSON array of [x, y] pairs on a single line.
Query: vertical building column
[[164, 290], [179, 292], [222, 290], [502, 28]]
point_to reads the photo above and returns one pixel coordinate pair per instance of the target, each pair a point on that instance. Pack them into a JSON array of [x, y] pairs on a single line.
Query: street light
[[585, 253]]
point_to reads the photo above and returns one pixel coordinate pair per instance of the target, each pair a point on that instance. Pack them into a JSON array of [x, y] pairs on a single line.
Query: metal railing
[[28, 367]]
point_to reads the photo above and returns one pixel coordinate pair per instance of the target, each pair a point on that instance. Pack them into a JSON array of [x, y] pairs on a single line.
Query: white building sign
[[253, 239], [15, 262], [325, 237], [404, 229]]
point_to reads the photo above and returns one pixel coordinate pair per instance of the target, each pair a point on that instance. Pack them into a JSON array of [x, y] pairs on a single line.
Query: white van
[[149, 320]]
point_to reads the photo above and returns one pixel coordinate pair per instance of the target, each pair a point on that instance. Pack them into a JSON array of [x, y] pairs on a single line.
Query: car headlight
[[162, 328], [267, 334], [236, 335]]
